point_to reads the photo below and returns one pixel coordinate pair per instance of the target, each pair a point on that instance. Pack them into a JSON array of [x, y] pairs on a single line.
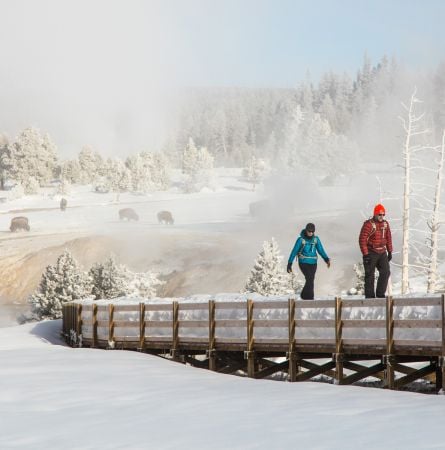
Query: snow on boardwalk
[[53, 396]]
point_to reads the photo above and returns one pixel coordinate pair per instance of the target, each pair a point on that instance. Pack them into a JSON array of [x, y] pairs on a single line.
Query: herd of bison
[[164, 217]]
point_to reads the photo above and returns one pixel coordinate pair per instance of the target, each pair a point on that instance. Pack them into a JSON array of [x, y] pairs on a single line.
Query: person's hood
[[303, 235]]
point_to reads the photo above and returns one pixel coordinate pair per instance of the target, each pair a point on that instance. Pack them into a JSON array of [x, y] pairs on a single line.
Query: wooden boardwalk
[[346, 347]]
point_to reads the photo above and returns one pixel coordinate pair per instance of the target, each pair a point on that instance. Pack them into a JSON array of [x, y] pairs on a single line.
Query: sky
[[107, 73]]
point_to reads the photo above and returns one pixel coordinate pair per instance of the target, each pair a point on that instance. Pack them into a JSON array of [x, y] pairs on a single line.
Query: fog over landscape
[[161, 149]]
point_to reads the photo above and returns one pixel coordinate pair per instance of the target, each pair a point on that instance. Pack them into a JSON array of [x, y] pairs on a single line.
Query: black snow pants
[[380, 262], [309, 274]]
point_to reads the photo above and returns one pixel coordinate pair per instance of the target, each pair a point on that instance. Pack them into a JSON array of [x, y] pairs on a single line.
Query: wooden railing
[[335, 327]]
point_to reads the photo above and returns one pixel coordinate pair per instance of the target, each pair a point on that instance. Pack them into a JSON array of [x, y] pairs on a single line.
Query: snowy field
[[53, 397], [214, 241]]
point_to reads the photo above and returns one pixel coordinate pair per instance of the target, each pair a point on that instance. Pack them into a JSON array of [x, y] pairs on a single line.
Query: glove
[[366, 259], [389, 256], [328, 263], [289, 267]]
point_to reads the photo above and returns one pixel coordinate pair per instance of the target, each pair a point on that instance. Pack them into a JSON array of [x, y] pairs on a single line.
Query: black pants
[[309, 274], [380, 262]]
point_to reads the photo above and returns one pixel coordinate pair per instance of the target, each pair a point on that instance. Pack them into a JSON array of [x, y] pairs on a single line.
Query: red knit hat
[[379, 209]]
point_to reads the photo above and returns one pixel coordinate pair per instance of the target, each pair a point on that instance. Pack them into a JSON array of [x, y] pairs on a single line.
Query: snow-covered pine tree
[[88, 165], [359, 287], [142, 284], [197, 165], [268, 276], [61, 283], [31, 155], [109, 279], [71, 171]]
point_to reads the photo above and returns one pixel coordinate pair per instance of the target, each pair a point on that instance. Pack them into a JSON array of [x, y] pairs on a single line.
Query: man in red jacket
[[376, 246]]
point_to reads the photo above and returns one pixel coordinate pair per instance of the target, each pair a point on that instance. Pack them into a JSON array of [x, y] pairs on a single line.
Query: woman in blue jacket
[[307, 247]]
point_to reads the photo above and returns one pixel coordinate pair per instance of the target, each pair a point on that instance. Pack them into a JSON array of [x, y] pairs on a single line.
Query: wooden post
[[141, 326], [389, 342], [94, 324], [111, 326], [212, 325], [293, 369], [338, 341], [79, 323], [249, 355], [175, 332]]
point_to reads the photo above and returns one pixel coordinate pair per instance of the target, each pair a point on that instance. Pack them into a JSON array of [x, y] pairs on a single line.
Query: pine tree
[[268, 276], [109, 279], [88, 165], [61, 283], [31, 155]]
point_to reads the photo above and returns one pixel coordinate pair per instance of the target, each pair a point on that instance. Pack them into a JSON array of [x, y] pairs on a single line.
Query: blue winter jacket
[[306, 248]]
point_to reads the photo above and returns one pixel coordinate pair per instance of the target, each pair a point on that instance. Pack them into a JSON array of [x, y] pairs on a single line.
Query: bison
[[165, 217], [19, 223], [63, 204], [128, 213]]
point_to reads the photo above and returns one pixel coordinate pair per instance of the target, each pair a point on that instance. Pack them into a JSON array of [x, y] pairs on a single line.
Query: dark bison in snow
[[63, 204], [128, 213], [165, 217], [19, 223]]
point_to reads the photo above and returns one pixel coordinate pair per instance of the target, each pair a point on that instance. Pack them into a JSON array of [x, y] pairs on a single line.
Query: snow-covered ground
[[53, 396], [214, 241]]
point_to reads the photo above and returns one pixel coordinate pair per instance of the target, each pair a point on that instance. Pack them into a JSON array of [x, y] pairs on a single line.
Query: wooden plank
[[158, 307], [366, 303], [277, 304], [126, 323], [280, 367], [231, 323], [198, 340], [421, 373], [250, 341], [363, 323], [149, 339], [416, 343], [193, 306], [193, 323], [227, 340], [142, 326], [110, 324], [270, 323], [422, 301], [101, 308], [366, 372], [94, 324], [417, 323], [102, 323], [212, 356], [271, 341], [121, 339], [303, 376], [315, 341], [338, 340], [159, 323], [315, 323], [315, 304], [230, 305], [365, 342], [126, 308]]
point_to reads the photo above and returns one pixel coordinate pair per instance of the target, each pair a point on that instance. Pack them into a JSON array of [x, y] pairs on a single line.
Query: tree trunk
[[434, 241]]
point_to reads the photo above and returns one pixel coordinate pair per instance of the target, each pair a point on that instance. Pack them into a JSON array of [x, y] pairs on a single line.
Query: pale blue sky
[[102, 71]]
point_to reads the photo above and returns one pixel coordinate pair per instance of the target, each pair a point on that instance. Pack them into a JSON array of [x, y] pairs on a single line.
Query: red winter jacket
[[375, 236]]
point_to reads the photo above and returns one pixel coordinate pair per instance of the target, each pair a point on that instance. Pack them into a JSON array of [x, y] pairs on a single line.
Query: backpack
[[303, 243]]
